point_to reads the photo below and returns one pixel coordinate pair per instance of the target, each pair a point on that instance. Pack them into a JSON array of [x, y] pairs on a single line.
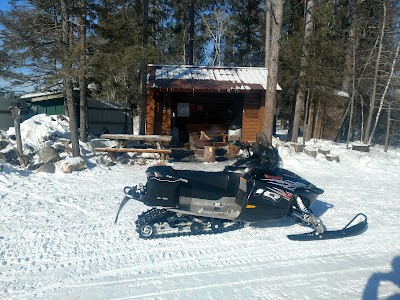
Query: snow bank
[[41, 128]]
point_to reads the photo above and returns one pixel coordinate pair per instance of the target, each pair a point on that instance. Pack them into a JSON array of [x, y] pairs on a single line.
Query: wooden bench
[[157, 140]]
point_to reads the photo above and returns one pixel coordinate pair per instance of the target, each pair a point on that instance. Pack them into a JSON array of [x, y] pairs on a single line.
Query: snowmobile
[[253, 189]]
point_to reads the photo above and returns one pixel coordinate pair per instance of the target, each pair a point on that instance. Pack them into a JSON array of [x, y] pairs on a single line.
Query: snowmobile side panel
[[266, 203]]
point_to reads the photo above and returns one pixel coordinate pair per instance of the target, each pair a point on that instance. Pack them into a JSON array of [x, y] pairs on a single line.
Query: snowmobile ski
[[346, 231]]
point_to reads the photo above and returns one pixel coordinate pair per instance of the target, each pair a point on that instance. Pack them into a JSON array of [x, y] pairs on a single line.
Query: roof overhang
[[217, 79]]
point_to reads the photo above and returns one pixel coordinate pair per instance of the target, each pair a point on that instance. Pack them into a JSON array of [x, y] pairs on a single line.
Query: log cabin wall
[[253, 111], [150, 112], [158, 113], [208, 112], [324, 118]]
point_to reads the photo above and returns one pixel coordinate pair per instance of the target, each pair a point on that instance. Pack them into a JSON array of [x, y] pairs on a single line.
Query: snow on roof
[[229, 78], [38, 94]]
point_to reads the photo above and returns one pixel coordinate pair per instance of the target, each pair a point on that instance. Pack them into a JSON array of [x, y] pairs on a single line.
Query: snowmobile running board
[[346, 231]]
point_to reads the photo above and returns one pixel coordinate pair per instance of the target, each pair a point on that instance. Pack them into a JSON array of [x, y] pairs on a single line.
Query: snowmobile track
[[154, 215]]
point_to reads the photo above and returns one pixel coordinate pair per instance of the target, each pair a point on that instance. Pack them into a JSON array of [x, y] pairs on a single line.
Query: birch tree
[[375, 78], [382, 100]]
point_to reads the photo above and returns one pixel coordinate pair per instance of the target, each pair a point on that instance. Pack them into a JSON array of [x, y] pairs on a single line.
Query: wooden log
[[209, 153], [361, 148], [332, 157], [298, 147], [324, 151], [233, 150], [192, 137], [219, 144], [131, 137], [310, 152], [164, 151], [199, 153]]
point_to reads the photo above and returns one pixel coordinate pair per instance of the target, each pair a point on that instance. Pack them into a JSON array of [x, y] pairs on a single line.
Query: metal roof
[[229, 79]]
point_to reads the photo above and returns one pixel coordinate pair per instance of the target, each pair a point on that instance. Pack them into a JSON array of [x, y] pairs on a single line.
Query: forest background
[[324, 48]]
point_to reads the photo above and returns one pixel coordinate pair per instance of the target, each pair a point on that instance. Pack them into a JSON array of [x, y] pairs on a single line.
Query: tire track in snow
[[271, 272]]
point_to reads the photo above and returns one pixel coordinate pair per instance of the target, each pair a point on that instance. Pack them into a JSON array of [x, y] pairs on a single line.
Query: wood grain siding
[[150, 112], [251, 116]]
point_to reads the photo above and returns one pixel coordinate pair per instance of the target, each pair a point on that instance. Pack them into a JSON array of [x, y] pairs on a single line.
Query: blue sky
[[4, 5]]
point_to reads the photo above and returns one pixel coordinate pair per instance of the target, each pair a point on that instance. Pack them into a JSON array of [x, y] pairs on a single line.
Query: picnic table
[[158, 141]]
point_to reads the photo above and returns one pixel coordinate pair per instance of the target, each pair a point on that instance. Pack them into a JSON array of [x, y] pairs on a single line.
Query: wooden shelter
[[217, 100]]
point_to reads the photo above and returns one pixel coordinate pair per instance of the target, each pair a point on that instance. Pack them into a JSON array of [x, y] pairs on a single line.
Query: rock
[[47, 167], [102, 143], [34, 166], [4, 144], [9, 154], [62, 145], [48, 154], [74, 164]]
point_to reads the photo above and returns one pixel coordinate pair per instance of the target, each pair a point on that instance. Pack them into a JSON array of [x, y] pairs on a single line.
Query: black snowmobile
[[254, 189]]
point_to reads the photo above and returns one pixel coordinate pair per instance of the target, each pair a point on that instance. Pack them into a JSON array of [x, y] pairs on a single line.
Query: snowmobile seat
[[161, 171]]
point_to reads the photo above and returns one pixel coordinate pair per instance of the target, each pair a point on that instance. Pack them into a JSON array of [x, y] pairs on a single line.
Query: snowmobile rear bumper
[[346, 231]]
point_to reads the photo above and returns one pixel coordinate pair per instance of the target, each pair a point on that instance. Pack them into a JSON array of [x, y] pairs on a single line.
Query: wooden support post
[[233, 150], [209, 153]]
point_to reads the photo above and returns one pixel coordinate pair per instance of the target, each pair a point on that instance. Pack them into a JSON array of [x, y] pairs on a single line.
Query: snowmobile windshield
[[262, 140], [268, 156], [261, 145]]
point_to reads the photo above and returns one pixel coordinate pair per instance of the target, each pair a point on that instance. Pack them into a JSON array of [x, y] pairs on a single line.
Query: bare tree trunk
[[270, 94], [305, 125], [267, 32], [353, 89], [358, 84], [374, 87], [217, 25], [67, 77], [143, 72], [308, 30], [383, 95], [83, 128], [387, 129], [191, 34]]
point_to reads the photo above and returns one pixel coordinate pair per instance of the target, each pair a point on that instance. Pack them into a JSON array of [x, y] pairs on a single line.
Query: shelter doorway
[[213, 113]]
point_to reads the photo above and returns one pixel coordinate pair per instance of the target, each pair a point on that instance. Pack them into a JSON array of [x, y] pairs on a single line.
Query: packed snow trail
[[58, 240]]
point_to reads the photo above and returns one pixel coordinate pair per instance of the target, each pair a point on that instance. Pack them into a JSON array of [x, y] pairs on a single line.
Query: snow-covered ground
[[58, 239]]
